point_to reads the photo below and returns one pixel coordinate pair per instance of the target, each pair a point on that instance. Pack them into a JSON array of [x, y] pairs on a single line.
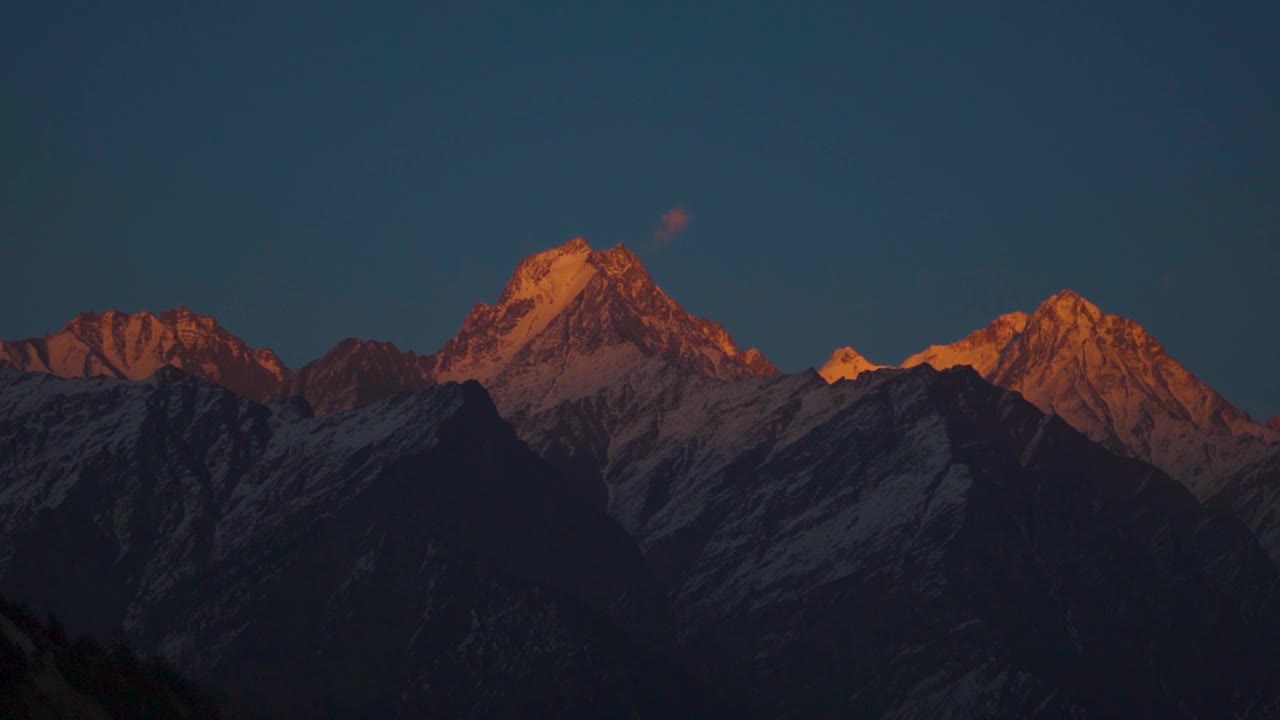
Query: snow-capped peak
[[1108, 377], [570, 303], [845, 364], [540, 288]]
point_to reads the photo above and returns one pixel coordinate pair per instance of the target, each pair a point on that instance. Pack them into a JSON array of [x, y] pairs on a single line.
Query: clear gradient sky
[[879, 175]]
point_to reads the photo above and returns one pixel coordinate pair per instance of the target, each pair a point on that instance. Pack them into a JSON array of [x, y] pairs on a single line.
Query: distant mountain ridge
[[571, 318], [133, 346]]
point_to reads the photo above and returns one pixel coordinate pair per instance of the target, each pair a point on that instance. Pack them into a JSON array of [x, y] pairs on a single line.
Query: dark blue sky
[[883, 177]]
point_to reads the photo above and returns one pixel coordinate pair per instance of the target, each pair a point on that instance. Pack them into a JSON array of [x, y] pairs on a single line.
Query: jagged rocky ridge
[[413, 558]]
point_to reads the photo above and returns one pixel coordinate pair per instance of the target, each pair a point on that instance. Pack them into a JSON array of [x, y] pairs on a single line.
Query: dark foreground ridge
[[912, 543], [411, 559], [44, 675]]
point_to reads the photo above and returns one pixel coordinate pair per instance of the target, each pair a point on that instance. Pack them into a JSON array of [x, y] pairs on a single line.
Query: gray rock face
[[411, 557]]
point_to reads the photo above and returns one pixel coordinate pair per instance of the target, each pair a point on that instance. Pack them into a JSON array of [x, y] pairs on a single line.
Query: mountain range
[[595, 502]]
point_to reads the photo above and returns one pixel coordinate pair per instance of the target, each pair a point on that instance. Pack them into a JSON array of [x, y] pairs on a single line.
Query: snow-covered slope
[[917, 543], [134, 346], [845, 364], [412, 557]]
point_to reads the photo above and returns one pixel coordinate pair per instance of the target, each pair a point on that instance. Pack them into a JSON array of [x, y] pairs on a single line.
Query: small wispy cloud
[[1168, 279], [672, 223]]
